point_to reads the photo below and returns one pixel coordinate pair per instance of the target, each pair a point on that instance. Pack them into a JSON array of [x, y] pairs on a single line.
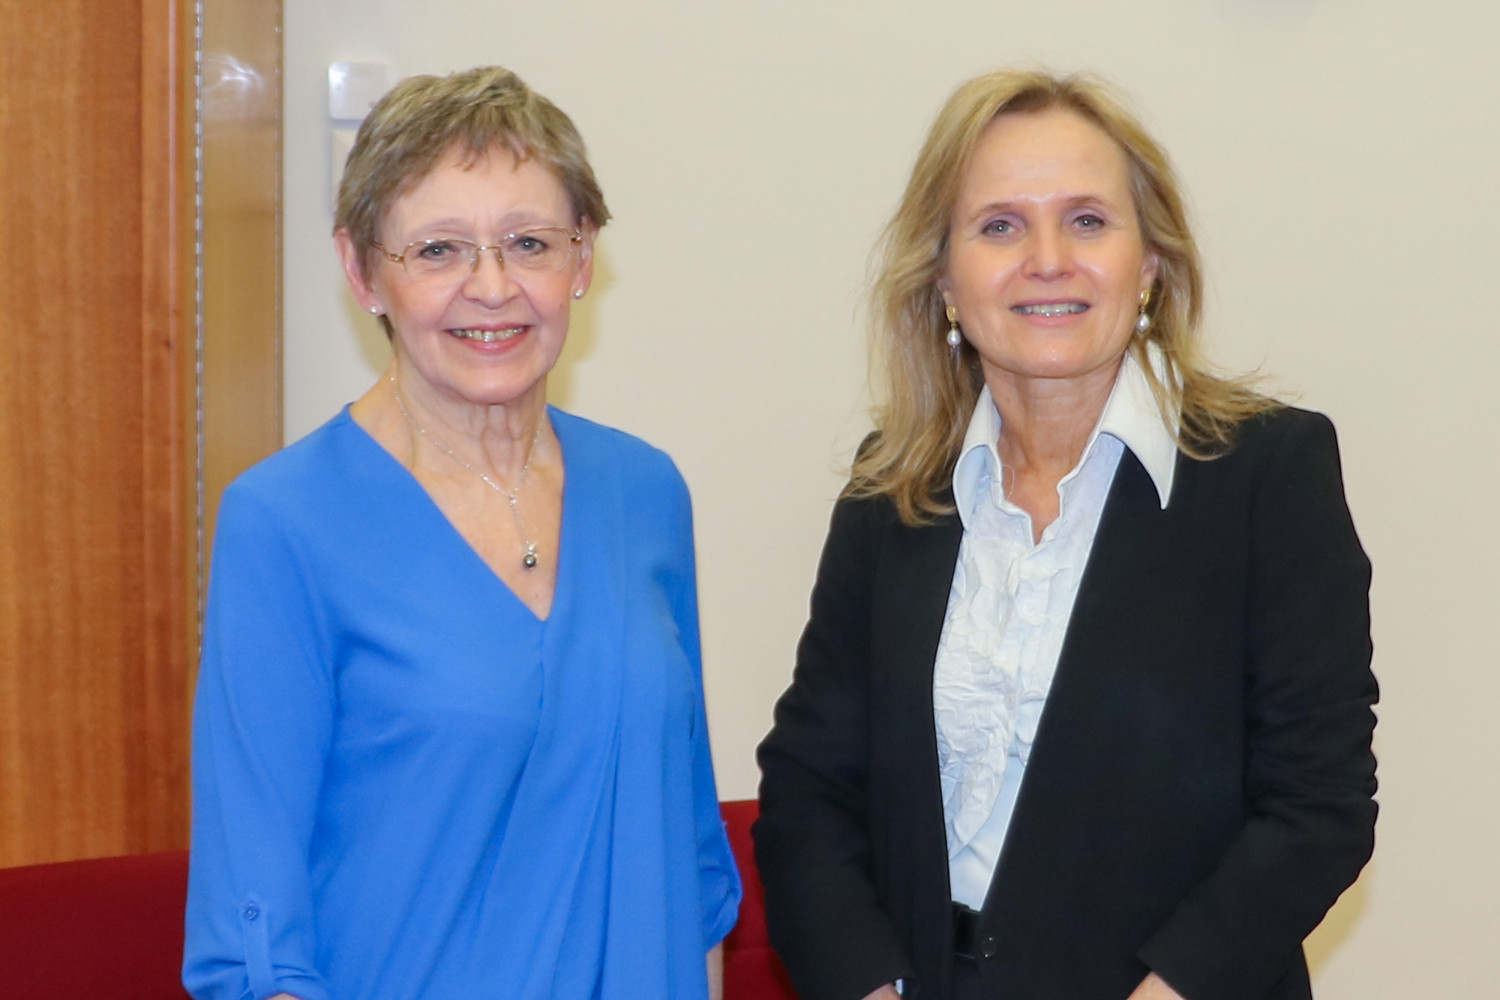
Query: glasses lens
[[537, 249], [430, 258]]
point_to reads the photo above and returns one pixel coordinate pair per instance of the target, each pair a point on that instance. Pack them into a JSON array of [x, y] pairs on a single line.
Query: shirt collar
[[1130, 416]]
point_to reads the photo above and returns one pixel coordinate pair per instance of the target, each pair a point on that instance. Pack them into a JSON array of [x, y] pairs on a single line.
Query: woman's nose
[[489, 280], [1051, 256]]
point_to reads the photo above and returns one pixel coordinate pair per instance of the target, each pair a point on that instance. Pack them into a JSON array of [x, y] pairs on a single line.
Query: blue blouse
[[407, 786]]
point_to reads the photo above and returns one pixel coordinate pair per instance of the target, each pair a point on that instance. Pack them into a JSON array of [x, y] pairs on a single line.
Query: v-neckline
[[563, 529]]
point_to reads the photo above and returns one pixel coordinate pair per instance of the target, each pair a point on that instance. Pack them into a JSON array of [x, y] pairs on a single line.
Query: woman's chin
[[1055, 367]]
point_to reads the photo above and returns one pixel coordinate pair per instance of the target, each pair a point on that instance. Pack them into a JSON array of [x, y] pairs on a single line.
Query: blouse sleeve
[[261, 731], [718, 876], [1310, 771]]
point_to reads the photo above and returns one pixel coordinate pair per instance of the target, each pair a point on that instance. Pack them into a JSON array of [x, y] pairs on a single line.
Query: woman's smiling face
[[489, 334], [1046, 262]]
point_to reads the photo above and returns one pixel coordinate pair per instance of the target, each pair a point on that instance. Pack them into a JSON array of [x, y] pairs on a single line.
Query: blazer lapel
[[911, 603], [1129, 524]]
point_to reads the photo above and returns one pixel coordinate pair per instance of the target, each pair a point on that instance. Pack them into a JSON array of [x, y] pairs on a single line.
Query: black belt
[[965, 931]]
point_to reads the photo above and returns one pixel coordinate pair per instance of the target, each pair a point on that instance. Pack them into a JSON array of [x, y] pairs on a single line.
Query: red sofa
[[112, 927], [751, 969]]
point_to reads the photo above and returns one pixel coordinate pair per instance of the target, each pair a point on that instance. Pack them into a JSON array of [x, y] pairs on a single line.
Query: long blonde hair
[[927, 398]]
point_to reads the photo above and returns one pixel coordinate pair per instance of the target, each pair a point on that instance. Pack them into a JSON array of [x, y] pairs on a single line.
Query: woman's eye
[[526, 245], [438, 250], [1089, 222], [998, 227]]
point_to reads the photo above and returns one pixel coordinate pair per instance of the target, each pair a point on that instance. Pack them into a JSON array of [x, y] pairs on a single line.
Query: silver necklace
[[528, 547]]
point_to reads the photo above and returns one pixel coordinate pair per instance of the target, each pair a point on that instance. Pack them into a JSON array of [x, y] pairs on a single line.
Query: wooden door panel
[[100, 460]]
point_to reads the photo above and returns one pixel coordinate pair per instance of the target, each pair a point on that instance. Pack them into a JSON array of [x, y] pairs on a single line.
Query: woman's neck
[[497, 440], [1046, 423]]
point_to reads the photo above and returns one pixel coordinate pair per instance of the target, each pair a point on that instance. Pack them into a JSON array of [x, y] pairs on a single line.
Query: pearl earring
[[1143, 321], [954, 336], [374, 310], [578, 293]]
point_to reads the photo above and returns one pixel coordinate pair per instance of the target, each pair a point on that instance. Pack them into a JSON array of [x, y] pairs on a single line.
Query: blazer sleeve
[[1310, 770], [812, 844]]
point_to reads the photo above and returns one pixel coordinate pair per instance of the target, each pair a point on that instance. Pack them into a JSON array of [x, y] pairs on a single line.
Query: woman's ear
[[585, 276], [354, 273], [1149, 268]]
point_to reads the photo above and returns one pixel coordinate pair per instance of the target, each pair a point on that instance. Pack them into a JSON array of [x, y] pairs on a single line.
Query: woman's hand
[[716, 972], [886, 992], [1154, 987]]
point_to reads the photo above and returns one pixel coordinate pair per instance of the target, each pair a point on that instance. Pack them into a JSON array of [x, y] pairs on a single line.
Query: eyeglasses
[[540, 251]]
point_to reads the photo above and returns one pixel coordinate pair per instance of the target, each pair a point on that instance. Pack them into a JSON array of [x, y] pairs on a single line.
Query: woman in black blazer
[[1068, 554]]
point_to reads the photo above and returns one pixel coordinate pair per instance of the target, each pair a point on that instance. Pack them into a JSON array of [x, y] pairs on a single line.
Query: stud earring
[[954, 336], [1143, 321], [374, 310]]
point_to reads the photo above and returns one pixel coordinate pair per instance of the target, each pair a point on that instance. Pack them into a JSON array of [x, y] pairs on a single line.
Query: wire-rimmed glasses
[[539, 251]]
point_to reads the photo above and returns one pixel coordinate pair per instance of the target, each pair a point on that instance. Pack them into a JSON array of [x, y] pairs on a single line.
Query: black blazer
[[1200, 789]]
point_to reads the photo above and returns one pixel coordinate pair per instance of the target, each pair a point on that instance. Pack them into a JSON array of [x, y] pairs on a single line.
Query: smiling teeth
[[1051, 309], [487, 336]]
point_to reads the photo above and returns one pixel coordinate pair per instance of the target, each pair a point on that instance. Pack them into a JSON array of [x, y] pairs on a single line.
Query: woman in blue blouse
[[449, 738]]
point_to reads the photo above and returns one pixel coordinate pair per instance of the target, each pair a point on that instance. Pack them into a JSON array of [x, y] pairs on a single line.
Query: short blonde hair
[[423, 118], [927, 399]]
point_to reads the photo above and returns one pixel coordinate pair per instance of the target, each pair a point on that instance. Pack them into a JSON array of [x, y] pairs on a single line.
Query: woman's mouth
[[489, 336], [1050, 309]]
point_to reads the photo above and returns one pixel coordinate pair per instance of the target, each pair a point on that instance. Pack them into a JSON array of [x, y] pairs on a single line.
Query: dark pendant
[[529, 559]]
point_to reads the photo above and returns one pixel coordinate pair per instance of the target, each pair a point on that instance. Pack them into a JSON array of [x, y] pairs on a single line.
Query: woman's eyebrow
[[1014, 204]]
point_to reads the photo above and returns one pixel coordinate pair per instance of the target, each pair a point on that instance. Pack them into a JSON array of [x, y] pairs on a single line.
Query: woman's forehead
[[493, 189], [1056, 152]]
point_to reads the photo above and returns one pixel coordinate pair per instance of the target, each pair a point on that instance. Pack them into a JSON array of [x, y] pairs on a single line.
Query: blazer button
[[989, 947]]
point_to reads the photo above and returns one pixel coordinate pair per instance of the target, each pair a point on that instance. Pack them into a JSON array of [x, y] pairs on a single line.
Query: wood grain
[[159, 801], [241, 240], [99, 459], [74, 565]]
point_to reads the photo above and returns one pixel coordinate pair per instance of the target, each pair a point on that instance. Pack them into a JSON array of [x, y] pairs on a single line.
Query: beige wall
[[1342, 159]]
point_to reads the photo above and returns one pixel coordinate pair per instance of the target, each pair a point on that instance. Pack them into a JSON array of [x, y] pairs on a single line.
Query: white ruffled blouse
[[1008, 612]]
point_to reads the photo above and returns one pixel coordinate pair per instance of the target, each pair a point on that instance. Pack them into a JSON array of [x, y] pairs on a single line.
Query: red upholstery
[[751, 969], [112, 927]]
